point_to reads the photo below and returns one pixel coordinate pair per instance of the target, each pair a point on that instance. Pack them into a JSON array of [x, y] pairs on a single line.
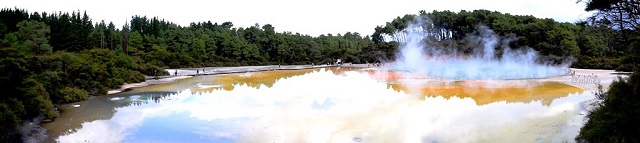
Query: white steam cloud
[[419, 54]]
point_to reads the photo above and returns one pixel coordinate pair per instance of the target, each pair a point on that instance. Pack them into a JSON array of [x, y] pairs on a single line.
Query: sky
[[311, 17]]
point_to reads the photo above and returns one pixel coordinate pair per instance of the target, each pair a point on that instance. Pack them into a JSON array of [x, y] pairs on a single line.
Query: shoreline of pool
[[184, 73]]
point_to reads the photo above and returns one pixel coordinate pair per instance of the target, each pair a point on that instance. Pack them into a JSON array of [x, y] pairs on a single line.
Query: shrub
[[596, 63], [73, 94], [9, 122], [616, 120], [626, 67], [152, 70]]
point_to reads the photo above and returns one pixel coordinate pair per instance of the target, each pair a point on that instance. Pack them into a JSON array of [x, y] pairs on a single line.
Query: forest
[[49, 59]]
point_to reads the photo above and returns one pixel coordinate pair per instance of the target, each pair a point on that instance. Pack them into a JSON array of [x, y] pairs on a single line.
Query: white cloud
[[313, 17]]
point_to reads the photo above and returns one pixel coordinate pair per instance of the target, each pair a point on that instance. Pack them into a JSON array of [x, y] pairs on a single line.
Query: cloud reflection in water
[[324, 107]]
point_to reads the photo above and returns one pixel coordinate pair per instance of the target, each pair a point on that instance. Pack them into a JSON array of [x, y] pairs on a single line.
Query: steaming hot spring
[[491, 65], [426, 94]]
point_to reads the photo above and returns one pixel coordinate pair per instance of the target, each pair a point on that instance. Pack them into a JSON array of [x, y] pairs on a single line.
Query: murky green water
[[328, 105]]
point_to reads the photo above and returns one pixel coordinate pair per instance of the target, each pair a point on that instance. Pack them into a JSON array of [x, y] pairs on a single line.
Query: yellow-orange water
[[545, 91], [256, 79], [483, 92]]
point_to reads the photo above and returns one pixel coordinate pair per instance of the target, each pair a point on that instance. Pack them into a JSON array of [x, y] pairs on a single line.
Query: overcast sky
[[312, 17]]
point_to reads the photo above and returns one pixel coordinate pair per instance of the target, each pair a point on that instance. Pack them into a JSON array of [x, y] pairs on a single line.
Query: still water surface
[[328, 105]]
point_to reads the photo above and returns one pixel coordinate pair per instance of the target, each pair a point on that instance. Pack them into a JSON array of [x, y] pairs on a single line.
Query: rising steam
[[420, 54]]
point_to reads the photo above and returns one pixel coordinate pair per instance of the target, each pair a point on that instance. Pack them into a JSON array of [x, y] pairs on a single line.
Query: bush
[[73, 94], [9, 122], [36, 99], [626, 67], [616, 120], [596, 63], [152, 70]]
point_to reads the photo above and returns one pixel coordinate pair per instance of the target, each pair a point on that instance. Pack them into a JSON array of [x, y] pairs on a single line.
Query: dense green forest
[[50, 59]]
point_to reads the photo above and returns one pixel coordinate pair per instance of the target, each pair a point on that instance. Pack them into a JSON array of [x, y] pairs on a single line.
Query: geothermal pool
[[329, 105]]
